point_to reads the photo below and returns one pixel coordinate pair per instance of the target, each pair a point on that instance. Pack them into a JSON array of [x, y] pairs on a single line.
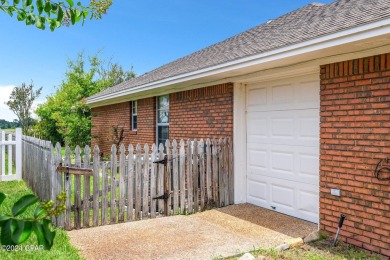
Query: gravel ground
[[215, 233]]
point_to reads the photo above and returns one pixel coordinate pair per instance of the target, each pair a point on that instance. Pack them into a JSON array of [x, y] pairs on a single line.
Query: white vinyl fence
[[11, 156]]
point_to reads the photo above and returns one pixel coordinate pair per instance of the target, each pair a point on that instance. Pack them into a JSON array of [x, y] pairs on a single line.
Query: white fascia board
[[343, 37]]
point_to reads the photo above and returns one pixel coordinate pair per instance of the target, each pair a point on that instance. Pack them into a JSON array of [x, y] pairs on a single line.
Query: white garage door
[[283, 146]]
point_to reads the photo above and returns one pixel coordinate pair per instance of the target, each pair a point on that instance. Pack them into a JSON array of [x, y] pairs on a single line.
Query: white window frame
[[134, 114], [157, 115]]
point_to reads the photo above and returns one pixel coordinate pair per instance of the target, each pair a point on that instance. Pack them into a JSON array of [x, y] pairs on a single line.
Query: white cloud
[[5, 91], [35, 106], [5, 112]]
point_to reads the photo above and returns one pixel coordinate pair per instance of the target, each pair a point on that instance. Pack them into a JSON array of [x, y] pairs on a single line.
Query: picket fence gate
[[11, 149], [125, 187]]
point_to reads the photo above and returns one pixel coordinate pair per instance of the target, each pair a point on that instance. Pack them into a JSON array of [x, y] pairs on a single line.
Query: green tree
[[46, 12], [65, 117], [20, 102], [4, 124], [15, 230]]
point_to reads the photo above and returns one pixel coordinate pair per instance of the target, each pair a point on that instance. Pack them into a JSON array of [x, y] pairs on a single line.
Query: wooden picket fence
[[38, 167], [123, 189]]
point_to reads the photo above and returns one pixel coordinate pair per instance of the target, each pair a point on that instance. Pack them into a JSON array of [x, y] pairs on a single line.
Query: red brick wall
[[146, 123], [355, 135], [202, 113], [105, 117], [199, 113]]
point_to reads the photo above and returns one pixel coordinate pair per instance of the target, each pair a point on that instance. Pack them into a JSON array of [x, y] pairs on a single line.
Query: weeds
[[318, 250]]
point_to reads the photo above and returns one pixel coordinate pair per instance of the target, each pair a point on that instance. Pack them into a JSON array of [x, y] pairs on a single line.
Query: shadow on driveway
[[287, 225]]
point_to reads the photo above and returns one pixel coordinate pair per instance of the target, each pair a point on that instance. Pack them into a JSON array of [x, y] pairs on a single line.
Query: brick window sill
[[133, 132]]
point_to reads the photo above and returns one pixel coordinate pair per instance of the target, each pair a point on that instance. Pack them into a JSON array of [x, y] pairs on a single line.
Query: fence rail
[[124, 188], [10, 156]]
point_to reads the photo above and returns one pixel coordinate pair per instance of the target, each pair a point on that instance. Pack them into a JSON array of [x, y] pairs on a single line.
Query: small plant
[[15, 230], [211, 204], [323, 235], [117, 134]]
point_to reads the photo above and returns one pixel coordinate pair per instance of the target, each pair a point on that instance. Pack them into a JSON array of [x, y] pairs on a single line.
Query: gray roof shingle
[[309, 22]]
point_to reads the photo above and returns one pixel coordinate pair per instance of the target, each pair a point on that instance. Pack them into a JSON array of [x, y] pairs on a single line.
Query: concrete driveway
[[210, 234]]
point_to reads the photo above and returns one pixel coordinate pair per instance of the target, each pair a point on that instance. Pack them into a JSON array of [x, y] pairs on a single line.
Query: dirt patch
[[206, 235]]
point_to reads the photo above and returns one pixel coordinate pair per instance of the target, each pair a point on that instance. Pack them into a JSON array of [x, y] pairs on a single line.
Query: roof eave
[[362, 32]]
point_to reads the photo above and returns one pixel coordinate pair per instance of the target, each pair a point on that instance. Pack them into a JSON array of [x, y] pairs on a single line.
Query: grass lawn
[[317, 250], [6, 164], [61, 249], [11, 130]]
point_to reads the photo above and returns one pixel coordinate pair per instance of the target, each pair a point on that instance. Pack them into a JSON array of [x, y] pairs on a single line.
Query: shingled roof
[[309, 22]]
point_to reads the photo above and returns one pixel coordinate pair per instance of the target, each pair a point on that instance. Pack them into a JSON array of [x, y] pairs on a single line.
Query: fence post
[[145, 186], [58, 160], [68, 189], [190, 202], [182, 172], [87, 186], [2, 154], [96, 168], [153, 179], [130, 183], [122, 191], [114, 168], [10, 156], [195, 175]]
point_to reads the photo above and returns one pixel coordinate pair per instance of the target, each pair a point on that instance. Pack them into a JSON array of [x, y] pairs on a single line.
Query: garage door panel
[[257, 158], [309, 126], [289, 197], [293, 127], [281, 164], [257, 127], [283, 95], [308, 165], [257, 191], [284, 162], [282, 127], [257, 97], [307, 198], [307, 94], [283, 146], [308, 201], [282, 196]]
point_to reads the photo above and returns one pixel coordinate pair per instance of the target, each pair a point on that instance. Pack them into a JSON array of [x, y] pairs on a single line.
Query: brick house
[[306, 99]]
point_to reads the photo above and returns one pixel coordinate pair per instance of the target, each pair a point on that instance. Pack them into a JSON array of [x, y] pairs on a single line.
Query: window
[[162, 119], [134, 115]]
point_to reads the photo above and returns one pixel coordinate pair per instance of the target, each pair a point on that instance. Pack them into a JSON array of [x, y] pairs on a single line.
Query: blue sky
[[143, 34]]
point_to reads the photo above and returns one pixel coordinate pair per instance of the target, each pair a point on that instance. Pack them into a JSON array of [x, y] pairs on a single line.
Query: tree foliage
[[21, 101], [15, 230], [54, 14], [4, 124], [65, 117]]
